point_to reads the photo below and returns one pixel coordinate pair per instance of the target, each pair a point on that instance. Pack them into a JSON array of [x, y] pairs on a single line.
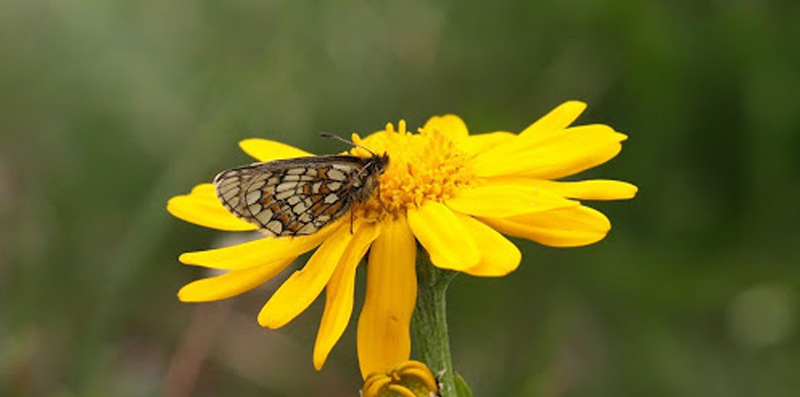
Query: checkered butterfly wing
[[296, 196]]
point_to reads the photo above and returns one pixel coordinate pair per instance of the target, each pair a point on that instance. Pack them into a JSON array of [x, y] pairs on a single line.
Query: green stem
[[430, 323]]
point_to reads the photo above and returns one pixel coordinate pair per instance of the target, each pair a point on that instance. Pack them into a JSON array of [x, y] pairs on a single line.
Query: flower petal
[[577, 149], [258, 252], [444, 237], [558, 119], [498, 255], [449, 125], [548, 127], [202, 207], [598, 189], [265, 150], [483, 142], [383, 327], [564, 227], [302, 287], [504, 200], [232, 283], [339, 293]]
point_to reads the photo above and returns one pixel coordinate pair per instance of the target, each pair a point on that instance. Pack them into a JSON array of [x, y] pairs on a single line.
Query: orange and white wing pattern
[[298, 196]]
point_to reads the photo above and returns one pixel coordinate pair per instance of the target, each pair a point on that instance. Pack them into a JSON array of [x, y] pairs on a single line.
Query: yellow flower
[[407, 379], [451, 192]]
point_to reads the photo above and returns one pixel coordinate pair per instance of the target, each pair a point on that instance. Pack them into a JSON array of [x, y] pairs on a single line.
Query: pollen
[[428, 166]]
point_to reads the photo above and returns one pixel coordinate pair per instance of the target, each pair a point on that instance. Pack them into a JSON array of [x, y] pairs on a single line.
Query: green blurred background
[[107, 109]]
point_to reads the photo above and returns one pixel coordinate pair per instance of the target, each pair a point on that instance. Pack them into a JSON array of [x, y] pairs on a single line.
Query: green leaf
[[462, 389]]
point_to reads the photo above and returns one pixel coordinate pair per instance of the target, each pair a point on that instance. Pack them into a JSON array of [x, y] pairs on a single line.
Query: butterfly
[[299, 196]]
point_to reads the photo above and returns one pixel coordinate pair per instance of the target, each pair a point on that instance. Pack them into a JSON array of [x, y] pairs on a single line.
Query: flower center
[[422, 167]]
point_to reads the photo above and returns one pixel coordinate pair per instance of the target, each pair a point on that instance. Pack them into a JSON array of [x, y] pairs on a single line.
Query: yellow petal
[[300, 290], [444, 237], [546, 128], [599, 189], [558, 119], [375, 384], [577, 149], [504, 200], [202, 207], [498, 255], [258, 252], [383, 327], [565, 227], [483, 142], [265, 150], [339, 293], [232, 283], [449, 124]]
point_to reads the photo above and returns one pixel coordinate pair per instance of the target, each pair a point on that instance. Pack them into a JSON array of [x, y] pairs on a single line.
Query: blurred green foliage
[[107, 109]]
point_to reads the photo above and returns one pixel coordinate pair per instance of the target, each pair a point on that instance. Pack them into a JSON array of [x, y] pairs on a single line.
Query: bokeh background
[[107, 109]]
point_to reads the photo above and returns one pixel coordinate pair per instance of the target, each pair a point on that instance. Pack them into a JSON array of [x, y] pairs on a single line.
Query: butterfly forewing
[[297, 196]]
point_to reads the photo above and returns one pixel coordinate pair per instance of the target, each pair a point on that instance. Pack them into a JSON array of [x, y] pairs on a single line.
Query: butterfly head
[[378, 163]]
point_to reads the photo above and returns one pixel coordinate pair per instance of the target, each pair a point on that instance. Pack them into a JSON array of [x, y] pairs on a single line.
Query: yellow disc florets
[[422, 167]]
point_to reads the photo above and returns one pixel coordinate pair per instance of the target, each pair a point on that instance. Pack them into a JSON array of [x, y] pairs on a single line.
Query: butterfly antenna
[[338, 138]]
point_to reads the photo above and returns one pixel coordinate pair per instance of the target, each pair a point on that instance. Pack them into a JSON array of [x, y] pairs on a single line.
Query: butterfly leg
[[352, 219], [380, 199]]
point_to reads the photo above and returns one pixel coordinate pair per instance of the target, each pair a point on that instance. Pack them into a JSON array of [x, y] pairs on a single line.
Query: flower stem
[[430, 322]]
